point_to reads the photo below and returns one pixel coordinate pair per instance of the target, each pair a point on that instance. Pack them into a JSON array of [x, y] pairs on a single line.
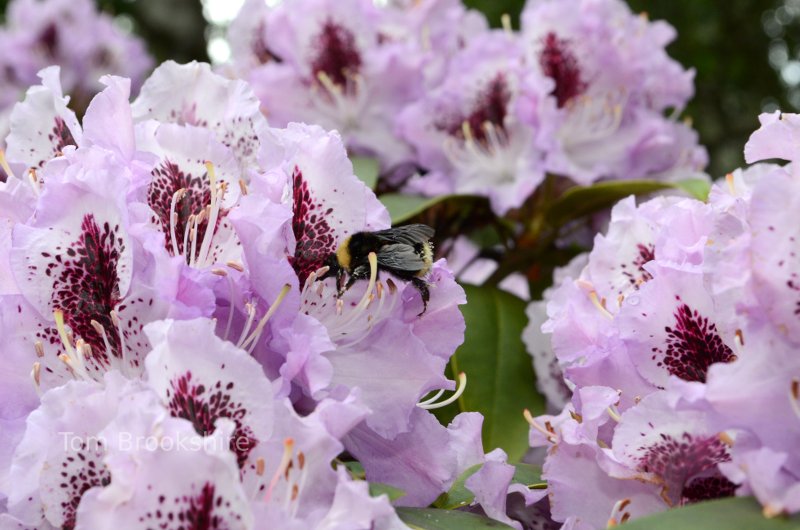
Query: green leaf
[[500, 378], [584, 200], [458, 495], [433, 519], [356, 470], [696, 187], [529, 475], [367, 169], [735, 513], [376, 489], [403, 208]]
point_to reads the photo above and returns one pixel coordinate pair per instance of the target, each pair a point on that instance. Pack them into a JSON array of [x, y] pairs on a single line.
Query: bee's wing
[[400, 256], [408, 234]]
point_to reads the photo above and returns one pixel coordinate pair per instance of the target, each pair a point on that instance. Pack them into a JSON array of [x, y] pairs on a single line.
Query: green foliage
[[500, 378], [366, 169], [458, 495], [376, 489], [584, 200], [737, 513], [405, 208], [433, 519]]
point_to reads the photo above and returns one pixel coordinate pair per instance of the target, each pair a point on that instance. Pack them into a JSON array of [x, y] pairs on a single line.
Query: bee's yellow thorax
[[343, 254]]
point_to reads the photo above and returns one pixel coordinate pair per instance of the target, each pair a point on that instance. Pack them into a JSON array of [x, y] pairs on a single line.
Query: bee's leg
[[422, 287], [339, 282], [359, 273]]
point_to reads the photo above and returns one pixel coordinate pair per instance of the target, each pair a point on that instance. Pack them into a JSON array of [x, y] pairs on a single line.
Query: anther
[[39, 347], [235, 265]]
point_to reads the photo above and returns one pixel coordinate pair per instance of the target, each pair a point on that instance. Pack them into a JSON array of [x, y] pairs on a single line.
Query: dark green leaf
[[433, 519], [584, 200], [402, 208], [377, 489], [458, 495], [697, 188], [500, 379], [528, 475], [366, 169], [736, 513]]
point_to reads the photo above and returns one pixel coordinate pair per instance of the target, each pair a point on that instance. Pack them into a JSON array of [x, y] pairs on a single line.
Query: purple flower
[[226, 107], [467, 131], [74, 35], [610, 80], [689, 311], [329, 63]]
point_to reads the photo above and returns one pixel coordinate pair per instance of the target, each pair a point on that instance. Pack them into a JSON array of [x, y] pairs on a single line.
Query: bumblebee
[[404, 252]]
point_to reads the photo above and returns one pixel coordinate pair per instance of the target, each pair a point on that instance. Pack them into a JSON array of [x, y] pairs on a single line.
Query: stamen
[[251, 315], [731, 183], [4, 164], [461, 386], [548, 433], [102, 332], [216, 200], [612, 411], [617, 511], [505, 21], [243, 187], [436, 396], [36, 374], [283, 466], [173, 219], [58, 315], [253, 338], [739, 338], [726, 439], [260, 465], [235, 265], [589, 288], [33, 178], [39, 347]]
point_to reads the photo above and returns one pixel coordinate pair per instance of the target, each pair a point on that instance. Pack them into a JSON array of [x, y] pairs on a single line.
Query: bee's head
[[333, 266]]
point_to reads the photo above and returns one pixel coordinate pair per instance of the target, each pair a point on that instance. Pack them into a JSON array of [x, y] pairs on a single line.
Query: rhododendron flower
[[610, 82], [72, 34], [689, 311]]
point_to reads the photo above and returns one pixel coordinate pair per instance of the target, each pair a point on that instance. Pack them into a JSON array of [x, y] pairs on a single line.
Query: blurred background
[[746, 53]]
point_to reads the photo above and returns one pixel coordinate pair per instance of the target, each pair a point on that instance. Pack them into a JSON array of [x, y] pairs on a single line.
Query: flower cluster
[[71, 34], [449, 106], [173, 350], [672, 347]]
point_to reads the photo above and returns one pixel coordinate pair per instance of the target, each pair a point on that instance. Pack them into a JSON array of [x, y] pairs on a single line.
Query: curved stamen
[[548, 433], [173, 219], [618, 515], [433, 398], [462, 385]]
